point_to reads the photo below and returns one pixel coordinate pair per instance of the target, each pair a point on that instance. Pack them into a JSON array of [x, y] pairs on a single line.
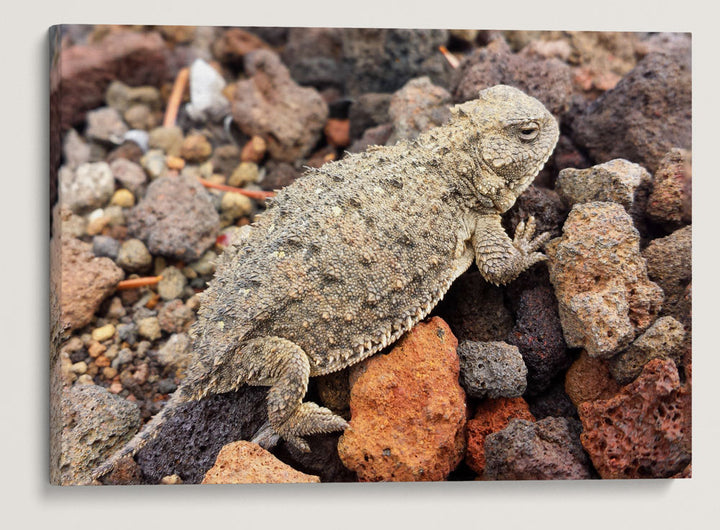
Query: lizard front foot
[[527, 245]]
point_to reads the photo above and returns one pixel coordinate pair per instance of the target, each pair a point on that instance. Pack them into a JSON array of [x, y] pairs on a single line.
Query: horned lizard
[[353, 254]]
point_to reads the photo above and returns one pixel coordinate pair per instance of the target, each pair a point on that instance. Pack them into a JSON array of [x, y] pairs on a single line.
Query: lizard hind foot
[[309, 418]]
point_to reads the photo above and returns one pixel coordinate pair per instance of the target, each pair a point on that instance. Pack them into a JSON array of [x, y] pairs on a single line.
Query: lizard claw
[[524, 240]]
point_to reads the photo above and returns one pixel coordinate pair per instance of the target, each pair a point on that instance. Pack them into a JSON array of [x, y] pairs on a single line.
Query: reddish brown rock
[[589, 379], [86, 281], [671, 198], [270, 104], [195, 148], [408, 410], [254, 151], [604, 295], [645, 430], [234, 43], [247, 463], [491, 415], [86, 71], [548, 449], [337, 132]]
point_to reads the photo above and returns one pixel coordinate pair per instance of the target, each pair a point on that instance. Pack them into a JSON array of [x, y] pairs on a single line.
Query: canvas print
[[368, 254]]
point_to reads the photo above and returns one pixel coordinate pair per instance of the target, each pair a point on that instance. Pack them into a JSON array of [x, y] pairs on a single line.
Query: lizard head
[[515, 136]]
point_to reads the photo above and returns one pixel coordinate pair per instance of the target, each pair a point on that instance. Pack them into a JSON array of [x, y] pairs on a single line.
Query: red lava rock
[[86, 71], [548, 449], [548, 80], [408, 410], [645, 430], [671, 197], [491, 415], [337, 132], [645, 115], [176, 218], [589, 379], [270, 104], [247, 463], [604, 295], [86, 281]]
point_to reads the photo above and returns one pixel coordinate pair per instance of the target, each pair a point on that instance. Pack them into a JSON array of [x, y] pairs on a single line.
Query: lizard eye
[[528, 131]]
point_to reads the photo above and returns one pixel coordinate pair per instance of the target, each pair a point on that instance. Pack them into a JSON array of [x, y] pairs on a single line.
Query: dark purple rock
[[542, 203], [176, 218], [538, 335], [189, 441], [554, 402], [322, 460], [645, 115], [474, 309], [548, 80], [548, 449]]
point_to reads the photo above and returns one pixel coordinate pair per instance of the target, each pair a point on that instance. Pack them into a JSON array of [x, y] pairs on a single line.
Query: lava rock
[[175, 317], [313, 56], [408, 410], [189, 441], [417, 107], [85, 282], [669, 263], [475, 309], [491, 415], [645, 115], [589, 379], [176, 218], [544, 204], [645, 430], [270, 104], [322, 460], [553, 401], [491, 369], [548, 449], [367, 111], [234, 44], [383, 60], [548, 80], [663, 340], [538, 336], [247, 463], [604, 295], [94, 424], [671, 199]]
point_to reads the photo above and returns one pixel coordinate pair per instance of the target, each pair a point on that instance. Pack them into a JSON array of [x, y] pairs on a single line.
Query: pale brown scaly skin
[[354, 254]]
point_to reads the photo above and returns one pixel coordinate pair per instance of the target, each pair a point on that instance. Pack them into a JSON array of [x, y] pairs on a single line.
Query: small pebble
[[174, 162], [172, 284], [139, 137], [254, 150], [245, 173], [166, 386], [85, 379], [140, 116], [103, 333], [109, 372], [134, 256], [106, 125], [116, 387], [195, 148], [167, 139], [128, 333], [123, 198], [171, 480], [236, 205], [149, 328], [102, 362], [106, 247], [79, 367], [96, 349], [124, 356], [154, 163]]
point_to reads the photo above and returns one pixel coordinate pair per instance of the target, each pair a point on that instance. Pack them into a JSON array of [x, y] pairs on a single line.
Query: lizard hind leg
[[284, 367]]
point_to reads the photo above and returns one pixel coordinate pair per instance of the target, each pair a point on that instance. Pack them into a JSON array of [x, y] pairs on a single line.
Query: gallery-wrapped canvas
[[353, 255]]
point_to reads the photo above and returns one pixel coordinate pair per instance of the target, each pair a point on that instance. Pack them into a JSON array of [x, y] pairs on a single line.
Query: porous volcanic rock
[[417, 107], [270, 104], [491, 369], [408, 410], [548, 449], [491, 415], [604, 295], [645, 115], [176, 218], [247, 463], [671, 198], [645, 430], [589, 379], [85, 281]]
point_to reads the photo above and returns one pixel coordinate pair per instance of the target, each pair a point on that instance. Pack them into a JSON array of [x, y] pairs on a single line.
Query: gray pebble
[[127, 333], [106, 125], [124, 356], [134, 256], [89, 187], [106, 247], [172, 284]]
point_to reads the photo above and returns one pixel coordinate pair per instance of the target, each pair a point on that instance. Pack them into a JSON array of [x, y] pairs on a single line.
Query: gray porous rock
[[352, 255], [491, 369]]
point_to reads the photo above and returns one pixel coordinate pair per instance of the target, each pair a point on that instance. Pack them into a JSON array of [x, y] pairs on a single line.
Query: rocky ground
[[580, 368]]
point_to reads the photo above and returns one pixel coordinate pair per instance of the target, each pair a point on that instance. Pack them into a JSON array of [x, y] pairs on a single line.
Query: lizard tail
[[147, 433]]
